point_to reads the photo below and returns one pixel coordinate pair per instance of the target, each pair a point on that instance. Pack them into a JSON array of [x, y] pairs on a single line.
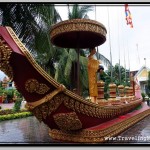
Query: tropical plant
[[10, 94], [20, 18], [46, 54], [143, 96], [115, 79], [31, 22], [17, 105], [2, 90], [79, 11]]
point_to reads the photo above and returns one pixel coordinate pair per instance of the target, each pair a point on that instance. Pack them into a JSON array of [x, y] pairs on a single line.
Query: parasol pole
[[78, 66], [78, 72]]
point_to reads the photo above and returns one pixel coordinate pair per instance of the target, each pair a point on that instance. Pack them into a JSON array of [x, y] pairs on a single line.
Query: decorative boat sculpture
[[69, 116]]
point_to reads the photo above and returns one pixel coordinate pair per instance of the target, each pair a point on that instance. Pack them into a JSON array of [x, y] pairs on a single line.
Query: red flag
[[128, 16]]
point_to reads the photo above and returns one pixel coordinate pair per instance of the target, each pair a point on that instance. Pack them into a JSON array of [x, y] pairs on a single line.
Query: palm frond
[[84, 10]]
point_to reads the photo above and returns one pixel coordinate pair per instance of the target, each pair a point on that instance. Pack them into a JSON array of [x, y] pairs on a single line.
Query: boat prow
[[69, 116]]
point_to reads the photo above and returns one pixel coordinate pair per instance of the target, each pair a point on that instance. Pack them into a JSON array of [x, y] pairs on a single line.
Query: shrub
[[143, 96], [17, 105], [10, 111], [15, 116]]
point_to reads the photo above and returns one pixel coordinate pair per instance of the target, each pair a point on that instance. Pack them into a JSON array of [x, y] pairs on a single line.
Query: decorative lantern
[[112, 90], [127, 91], [131, 91], [100, 87], [121, 90]]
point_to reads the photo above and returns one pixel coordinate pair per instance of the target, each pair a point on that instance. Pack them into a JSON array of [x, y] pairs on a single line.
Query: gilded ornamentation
[[45, 109], [48, 97], [97, 136], [68, 121], [54, 99], [100, 112], [5, 53], [78, 25], [32, 85], [43, 88]]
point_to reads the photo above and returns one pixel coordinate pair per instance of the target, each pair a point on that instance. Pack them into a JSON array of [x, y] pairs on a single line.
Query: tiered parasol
[[78, 33]]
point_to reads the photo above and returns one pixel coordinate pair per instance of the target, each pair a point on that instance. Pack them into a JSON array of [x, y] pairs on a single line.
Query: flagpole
[[110, 44], [138, 53], [125, 67], [97, 46], [119, 52]]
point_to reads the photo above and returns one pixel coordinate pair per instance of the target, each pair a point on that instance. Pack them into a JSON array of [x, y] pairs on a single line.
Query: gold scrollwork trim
[[100, 112], [68, 121], [48, 97], [32, 85], [78, 25], [45, 109], [97, 136], [5, 53]]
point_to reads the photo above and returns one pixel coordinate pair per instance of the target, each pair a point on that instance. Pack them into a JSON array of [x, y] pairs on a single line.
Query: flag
[[128, 16]]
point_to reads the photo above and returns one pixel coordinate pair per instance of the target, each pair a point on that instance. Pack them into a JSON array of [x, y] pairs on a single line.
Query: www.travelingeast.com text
[[128, 138]]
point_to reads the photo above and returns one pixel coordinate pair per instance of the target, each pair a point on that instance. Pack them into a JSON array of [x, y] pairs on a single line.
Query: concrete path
[[11, 105]]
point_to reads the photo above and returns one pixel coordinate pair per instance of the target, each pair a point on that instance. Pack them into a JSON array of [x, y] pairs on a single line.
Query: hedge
[[15, 116]]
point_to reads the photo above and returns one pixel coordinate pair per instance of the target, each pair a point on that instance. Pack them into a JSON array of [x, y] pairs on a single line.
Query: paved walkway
[[11, 105], [30, 131]]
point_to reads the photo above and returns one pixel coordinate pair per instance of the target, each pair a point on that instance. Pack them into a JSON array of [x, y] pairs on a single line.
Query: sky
[[131, 45]]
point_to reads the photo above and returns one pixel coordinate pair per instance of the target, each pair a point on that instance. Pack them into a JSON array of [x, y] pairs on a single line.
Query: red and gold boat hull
[[64, 112]]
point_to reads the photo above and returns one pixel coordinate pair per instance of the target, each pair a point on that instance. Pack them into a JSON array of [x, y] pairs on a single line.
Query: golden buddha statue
[[93, 65]]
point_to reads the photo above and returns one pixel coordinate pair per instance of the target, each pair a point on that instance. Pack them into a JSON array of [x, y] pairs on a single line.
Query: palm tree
[[31, 22], [115, 78], [79, 11], [47, 55], [20, 18]]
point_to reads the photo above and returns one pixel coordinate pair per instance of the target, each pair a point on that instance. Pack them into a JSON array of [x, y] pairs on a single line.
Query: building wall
[[144, 73], [142, 77]]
